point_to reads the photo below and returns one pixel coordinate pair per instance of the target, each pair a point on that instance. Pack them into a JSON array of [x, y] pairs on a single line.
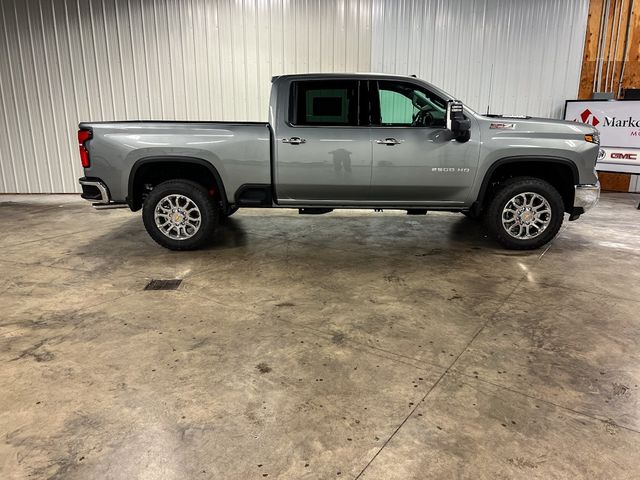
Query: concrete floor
[[350, 345]]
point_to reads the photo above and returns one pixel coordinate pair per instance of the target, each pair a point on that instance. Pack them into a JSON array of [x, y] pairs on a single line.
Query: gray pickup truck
[[346, 141]]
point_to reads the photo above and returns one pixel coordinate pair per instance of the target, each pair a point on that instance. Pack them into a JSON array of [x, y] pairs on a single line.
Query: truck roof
[[276, 79], [340, 75]]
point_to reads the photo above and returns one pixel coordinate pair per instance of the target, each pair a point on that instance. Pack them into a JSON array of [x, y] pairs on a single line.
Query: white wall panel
[[533, 46], [66, 61]]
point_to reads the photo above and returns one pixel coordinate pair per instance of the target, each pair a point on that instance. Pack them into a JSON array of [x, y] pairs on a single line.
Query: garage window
[[329, 102]]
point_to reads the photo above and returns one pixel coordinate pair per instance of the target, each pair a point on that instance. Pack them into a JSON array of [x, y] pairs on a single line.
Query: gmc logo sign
[[624, 156]]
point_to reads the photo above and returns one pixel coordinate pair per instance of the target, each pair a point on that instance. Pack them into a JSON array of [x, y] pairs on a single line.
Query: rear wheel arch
[[158, 169], [560, 172]]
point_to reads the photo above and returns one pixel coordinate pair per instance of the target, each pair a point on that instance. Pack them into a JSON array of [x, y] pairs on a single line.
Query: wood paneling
[[614, 182], [632, 69], [610, 82]]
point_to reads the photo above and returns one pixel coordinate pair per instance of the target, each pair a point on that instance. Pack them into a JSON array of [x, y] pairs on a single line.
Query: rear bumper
[[94, 190]]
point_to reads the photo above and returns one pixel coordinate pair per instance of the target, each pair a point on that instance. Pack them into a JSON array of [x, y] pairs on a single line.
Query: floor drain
[[163, 284]]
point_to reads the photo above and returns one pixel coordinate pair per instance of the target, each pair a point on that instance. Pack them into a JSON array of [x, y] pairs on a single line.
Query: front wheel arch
[[560, 172]]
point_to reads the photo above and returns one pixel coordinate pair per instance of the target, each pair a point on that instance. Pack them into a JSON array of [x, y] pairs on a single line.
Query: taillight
[[83, 136]]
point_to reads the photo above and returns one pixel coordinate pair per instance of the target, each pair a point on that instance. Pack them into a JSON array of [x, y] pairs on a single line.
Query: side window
[[406, 105], [330, 102], [395, 108]]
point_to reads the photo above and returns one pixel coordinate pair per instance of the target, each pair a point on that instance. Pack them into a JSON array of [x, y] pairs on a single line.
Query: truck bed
[[239, 151]]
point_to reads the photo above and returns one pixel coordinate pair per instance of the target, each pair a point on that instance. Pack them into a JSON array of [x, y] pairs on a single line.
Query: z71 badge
[[503, 126]]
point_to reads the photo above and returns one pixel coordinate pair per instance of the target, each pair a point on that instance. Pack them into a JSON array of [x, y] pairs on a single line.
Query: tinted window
[[328, 102], [407, 105], [395, 108]]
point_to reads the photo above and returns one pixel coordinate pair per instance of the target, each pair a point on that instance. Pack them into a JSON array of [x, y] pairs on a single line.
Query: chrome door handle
[[388, 141], [294, 140]]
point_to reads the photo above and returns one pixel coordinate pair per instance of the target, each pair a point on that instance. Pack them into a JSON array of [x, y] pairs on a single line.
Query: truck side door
[[322, 143], [415, 158]]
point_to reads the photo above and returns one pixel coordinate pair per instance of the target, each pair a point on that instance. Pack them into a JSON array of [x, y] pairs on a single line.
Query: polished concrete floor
[[349, 345]]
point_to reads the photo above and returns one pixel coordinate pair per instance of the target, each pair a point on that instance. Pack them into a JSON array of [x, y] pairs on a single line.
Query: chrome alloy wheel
[[177, 216], [526, 215]]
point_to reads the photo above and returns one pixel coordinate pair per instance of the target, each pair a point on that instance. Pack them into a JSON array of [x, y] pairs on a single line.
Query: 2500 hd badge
[[451, 169]]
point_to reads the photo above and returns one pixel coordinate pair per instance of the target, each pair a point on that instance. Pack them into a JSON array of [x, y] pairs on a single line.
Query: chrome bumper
[[586, 196], [95, 191]]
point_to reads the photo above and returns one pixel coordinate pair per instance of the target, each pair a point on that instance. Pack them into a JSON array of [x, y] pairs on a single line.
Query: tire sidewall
[[196, 193], [510, 190]]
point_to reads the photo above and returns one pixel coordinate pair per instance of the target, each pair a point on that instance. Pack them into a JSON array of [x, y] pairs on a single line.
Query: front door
[[415, 158], [323, 149]]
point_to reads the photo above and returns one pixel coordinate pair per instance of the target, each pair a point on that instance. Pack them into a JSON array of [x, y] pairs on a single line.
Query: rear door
[[322, 145], [415, 158]]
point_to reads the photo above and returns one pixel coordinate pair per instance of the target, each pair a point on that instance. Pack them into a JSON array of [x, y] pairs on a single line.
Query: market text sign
[[617, 121]]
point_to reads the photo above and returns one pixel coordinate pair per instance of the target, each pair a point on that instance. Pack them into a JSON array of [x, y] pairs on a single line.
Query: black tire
[[209, 214], [508, 190]]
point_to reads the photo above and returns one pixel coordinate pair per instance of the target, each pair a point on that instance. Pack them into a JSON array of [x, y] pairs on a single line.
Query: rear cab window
[[324, 103]]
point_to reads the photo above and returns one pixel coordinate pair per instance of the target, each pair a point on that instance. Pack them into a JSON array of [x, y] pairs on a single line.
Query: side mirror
[[456, 122]]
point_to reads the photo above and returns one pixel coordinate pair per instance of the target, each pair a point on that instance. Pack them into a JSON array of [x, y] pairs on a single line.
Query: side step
[[417, 211], [314, 211], [109, 206]]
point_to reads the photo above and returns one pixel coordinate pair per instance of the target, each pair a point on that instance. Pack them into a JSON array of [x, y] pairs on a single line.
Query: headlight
[[593, 138]]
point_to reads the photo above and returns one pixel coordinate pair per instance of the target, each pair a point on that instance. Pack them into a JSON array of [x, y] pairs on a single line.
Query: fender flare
[[522, 159], [175, 159]]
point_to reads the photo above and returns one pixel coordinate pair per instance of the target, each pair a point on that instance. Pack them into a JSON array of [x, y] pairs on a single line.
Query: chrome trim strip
[[102, 188]]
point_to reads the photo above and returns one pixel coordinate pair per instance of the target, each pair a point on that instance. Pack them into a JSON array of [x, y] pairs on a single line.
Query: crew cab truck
[[346, 141]]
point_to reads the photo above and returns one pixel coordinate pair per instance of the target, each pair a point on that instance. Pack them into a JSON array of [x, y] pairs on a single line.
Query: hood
[[536, 124]]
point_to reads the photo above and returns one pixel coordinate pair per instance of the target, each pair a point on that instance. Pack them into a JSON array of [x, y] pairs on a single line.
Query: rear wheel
[[180, 215], [525, 213]]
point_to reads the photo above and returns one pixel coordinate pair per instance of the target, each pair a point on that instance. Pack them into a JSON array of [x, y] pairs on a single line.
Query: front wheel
[[525, 213], [180, 215]]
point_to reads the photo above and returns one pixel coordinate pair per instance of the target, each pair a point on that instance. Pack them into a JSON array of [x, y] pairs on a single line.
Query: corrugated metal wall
[[533, 46], [62, 61]]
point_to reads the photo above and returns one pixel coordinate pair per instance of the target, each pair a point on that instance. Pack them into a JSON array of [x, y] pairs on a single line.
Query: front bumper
[[586, 196], [94, 190]]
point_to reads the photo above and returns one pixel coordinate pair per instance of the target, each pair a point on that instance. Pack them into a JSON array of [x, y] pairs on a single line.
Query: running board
[[109, 206]]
